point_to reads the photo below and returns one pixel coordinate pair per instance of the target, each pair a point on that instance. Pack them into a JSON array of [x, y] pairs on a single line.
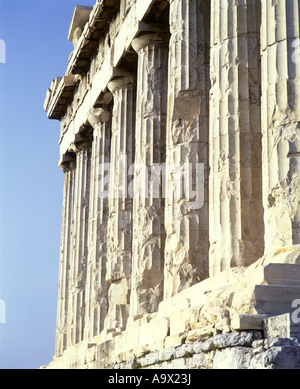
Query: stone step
[[282, 326], [248, 322], [282, 274], [275, 299]]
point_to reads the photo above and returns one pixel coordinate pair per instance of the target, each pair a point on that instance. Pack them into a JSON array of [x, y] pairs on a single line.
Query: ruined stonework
[[180, 147]]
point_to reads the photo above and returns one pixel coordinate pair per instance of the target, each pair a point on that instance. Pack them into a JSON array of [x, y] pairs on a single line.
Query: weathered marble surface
[[186, 247], [236, 213], [119, 226], [280, 123], [97, 287], [150, 152]]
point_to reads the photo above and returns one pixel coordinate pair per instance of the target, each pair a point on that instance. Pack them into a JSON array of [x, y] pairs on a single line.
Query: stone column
[[280, 122], [236, 214], [78, 265], [186, 215], [119, 235], [148, 203], [68, 167], [96, 286]]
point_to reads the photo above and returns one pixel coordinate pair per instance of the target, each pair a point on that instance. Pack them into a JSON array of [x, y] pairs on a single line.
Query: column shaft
[[97, 287], [65, 252], [280, 122], [120, 203], [148, 204], [236, 215], [78, 264], [186, 218]]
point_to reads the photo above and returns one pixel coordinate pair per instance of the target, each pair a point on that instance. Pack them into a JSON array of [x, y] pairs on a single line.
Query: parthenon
[[180, 145]]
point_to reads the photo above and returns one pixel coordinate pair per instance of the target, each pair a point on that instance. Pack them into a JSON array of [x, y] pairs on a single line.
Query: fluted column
[[119, 235], [280, 122], [148, 204], [236, 215], [68, 167], [186, 215], [78, 265], [96, 299]]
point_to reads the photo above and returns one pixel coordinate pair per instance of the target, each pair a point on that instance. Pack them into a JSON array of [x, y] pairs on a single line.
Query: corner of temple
[[181, 216]]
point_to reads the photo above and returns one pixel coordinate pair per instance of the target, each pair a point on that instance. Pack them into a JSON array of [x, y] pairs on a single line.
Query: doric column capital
[[121, 81], [98, 116], [82, 140], [67, 161], [150, 38]]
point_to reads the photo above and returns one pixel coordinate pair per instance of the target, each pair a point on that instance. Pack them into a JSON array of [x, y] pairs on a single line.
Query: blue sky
[[31, 185]]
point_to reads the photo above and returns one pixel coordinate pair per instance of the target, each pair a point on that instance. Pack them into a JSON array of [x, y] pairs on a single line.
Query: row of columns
[[196, 99]]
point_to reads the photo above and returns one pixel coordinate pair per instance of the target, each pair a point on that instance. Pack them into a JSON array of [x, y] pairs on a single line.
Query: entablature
[[135, 20]]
